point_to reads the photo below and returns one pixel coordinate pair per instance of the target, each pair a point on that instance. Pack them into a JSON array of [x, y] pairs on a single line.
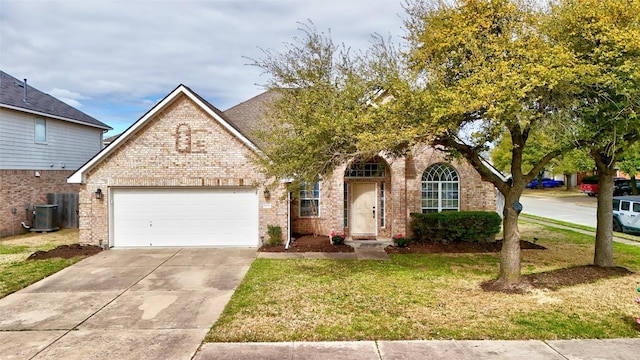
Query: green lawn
[[16, 272], [430, 297]]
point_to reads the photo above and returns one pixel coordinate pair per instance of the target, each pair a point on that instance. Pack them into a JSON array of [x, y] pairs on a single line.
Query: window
[[440, 189], [366, 170], [41, 130], [625, 206], [636, 207], [309, 200]]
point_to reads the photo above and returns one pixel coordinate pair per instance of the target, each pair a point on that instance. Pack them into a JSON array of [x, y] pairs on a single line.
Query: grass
[[430, 296], [577, 226], [17, 273]]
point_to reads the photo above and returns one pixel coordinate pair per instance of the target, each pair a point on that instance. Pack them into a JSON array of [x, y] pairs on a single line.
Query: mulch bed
[[584, 274], [457, 247], [310, 243], [555, 279], [66, 252]]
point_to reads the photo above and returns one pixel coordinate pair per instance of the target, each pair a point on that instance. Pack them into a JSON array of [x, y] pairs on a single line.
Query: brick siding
[[21, 187], [182, 146], [403, 193]]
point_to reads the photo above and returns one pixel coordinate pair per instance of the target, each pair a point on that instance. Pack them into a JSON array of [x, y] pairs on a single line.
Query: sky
[[115, 59]]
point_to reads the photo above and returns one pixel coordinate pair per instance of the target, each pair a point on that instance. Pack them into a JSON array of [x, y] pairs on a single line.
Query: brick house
[[182, 175], [42, 142]]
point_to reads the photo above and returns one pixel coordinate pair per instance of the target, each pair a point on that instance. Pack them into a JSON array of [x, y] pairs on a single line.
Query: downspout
[[286, 247]]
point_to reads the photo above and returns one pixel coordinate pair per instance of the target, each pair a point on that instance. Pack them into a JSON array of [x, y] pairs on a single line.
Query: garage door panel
[[185, 217]]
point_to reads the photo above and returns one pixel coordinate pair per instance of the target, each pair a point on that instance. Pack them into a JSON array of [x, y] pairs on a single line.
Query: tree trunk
[[567, 182], [540, 186], [604, 231], [510, 253], [634, 187]]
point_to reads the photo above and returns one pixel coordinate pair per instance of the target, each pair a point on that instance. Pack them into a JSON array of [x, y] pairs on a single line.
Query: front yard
[[16, 272], [431, 296], [412, 296]]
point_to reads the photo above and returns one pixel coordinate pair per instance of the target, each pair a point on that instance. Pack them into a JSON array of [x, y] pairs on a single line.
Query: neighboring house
[[42, 142], [108, 140], [182, 175]]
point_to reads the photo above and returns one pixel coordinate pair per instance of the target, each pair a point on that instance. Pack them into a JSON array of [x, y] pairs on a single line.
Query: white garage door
[[185, 217]]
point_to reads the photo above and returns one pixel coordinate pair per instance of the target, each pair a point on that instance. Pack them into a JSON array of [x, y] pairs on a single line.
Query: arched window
[[440, 189]]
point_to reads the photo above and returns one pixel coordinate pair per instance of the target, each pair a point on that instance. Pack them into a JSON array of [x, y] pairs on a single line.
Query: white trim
[[439, 190], [493, 169], [79, 176], [312, 198], [16, 108]]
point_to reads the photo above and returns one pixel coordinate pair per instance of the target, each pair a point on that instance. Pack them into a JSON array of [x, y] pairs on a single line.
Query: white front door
[[364, 212]]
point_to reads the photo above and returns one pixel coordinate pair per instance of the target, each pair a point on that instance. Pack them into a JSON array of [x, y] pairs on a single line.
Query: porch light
[[98, 194], [267, 193]]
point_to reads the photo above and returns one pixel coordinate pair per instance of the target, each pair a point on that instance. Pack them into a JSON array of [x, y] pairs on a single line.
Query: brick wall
[[21, 187], [182, 146], [475, 194], [403, 185]]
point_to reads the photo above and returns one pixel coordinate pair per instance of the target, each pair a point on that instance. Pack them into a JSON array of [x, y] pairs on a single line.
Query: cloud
[[125, 54], [68, 97]]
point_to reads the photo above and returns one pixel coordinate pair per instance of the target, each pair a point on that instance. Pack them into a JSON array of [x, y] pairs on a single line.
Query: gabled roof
[[12, 96], [79, 176], [248, 115], [110, 139]]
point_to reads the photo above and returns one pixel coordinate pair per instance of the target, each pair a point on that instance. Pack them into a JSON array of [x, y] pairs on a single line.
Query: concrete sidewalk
[[619, 349]]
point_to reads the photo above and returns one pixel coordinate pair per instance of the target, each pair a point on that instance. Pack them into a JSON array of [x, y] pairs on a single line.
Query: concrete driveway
[[123, 304]]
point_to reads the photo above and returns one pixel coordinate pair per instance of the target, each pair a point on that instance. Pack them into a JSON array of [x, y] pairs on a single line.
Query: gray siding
[[68, 145]]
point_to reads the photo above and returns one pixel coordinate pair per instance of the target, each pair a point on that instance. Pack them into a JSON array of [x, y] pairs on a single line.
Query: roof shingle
[[12, 95], [248, 116]]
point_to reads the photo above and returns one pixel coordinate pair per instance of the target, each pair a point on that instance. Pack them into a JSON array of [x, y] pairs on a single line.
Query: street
[[579, 209]]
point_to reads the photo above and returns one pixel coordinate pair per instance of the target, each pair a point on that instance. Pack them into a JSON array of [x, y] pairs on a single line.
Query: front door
[[363, 213]]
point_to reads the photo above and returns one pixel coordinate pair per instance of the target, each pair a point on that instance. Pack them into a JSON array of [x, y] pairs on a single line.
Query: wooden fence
[[68, 206]]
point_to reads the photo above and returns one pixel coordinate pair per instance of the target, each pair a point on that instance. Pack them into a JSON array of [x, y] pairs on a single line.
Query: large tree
[[472, 72], [488, 72], [316, 121], [604, 35]]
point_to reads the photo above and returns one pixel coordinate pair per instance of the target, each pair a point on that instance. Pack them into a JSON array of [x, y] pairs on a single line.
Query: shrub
[[337, 238], [400, 240], [481, 226], [275, 235]]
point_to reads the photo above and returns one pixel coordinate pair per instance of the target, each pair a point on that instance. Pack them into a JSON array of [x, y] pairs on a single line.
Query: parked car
[[589, 185], [626, 214], [546, 183], [623, 187]]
